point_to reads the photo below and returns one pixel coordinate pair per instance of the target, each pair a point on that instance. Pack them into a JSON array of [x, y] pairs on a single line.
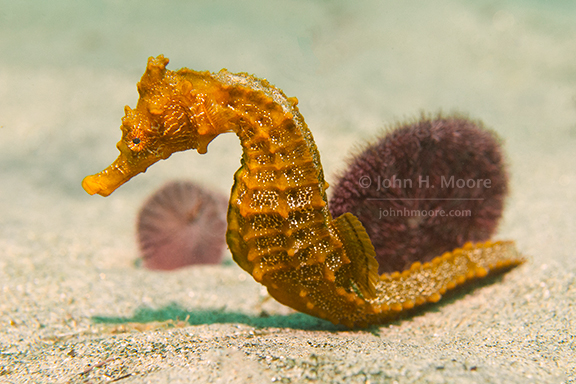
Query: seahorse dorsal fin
[[360, 251]]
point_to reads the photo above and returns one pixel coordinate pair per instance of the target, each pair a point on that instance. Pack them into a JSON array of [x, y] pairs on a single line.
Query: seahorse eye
[[136, 140]]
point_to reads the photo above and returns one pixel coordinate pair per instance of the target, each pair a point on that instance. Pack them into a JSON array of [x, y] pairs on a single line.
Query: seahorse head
[[173, 114]]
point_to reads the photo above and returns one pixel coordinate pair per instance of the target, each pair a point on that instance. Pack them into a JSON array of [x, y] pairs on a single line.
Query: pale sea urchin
[[182, 224]]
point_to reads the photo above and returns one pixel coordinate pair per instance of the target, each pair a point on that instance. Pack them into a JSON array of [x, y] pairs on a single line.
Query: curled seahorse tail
[[377, 299], [426, 283], [400, 291]]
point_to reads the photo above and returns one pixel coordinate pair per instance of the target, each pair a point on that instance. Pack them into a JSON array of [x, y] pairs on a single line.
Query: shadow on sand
[[213, 316], [299, 321]]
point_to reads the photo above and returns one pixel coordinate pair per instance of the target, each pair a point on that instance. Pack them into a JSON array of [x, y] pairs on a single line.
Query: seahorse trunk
[[281, 232], [279, 226]]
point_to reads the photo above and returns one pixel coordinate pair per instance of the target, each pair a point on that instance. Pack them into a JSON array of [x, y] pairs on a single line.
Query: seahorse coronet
[[279, 227]]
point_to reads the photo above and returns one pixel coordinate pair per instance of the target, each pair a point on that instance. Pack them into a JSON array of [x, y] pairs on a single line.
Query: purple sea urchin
[[424, 189], [182, 224]]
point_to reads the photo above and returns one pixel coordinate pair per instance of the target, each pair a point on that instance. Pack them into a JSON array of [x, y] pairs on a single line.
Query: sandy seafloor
[[74, 308]]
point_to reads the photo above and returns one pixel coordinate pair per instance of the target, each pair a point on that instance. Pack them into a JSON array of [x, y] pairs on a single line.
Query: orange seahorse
[[279, 227]]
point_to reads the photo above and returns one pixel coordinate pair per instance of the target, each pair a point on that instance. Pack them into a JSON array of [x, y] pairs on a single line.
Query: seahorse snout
[[92, 184], [107, 181]]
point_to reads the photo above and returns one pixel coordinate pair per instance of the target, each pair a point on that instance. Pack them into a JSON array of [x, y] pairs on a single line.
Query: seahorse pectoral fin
[[360, 251]]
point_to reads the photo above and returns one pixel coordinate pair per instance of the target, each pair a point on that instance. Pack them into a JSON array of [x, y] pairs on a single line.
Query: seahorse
[[279, 227]]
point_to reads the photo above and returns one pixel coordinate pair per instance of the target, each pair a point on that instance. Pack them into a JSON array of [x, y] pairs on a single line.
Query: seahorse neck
[[270, 127]]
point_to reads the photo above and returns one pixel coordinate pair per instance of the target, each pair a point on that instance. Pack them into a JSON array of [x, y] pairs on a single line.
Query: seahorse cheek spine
[[279, 227]]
